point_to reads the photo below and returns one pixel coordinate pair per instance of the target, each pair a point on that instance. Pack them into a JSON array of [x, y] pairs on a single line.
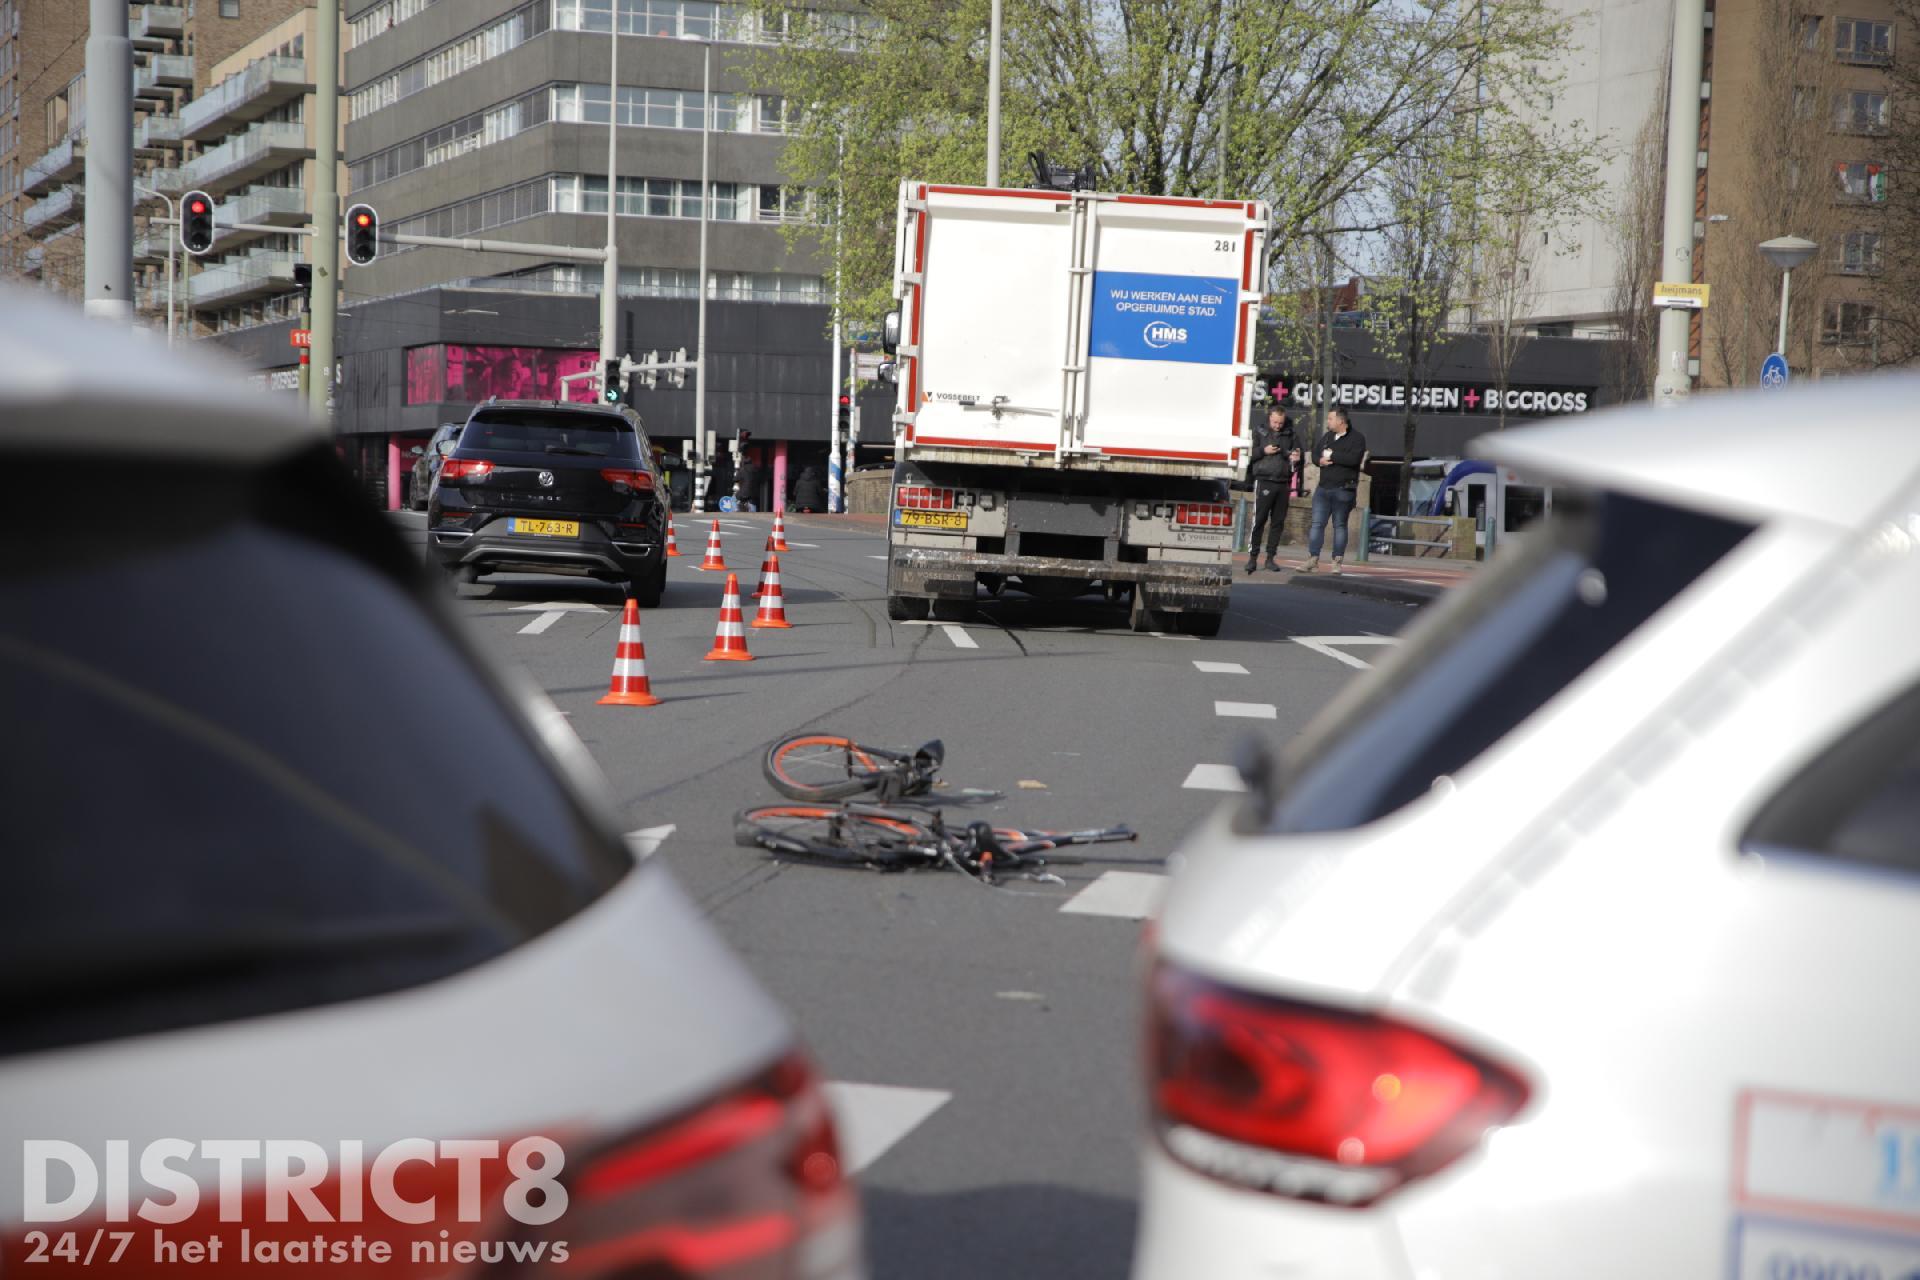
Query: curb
[[1396, 592]]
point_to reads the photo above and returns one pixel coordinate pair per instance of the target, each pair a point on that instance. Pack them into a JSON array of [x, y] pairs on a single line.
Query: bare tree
[[1507, 291], [1634, 230]]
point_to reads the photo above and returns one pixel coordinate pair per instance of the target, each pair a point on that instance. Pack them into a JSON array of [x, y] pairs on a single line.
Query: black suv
[[549, 487]]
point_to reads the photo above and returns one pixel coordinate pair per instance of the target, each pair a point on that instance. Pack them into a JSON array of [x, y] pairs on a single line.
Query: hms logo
[[1160, 335]]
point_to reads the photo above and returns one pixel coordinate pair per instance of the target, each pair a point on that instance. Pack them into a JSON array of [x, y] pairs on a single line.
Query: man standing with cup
[[1343, 452]]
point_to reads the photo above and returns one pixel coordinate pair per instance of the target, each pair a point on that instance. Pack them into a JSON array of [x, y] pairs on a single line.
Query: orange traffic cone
[[730, 640], [714, 560], [630, 687], [773, 604], [673, 544], [767, 566], [779, 539]]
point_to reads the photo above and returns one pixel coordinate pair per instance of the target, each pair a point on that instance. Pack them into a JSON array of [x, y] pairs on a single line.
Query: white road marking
[[879, 557], [551, 613], [1220, 668], [1246, 710], [961, 640], [643, 842], [1128, 895], [1326, 645], [1214, 777], [873, 1117], [1018, 995], [809, 546]]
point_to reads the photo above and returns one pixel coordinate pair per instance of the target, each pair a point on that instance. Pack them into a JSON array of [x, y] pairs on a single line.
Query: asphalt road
[[1013, 1022]]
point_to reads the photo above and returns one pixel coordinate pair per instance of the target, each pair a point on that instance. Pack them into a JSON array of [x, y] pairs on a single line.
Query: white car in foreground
[[321, 952], [1580, 939]]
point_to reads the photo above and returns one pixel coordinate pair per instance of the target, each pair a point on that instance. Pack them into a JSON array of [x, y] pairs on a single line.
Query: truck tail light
[[464, 468], [1309, 1102], [633, 479], [747, 1184], [1204, 515], [922, 498]]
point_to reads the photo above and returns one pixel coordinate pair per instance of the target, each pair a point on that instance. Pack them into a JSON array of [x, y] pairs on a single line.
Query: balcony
[[166, 181], [245, 96], [273, 206], [151, 246], [251, 275], [269, 145], [60, 164], [155, 134], [61, 209], [155, 24], [162, 74]]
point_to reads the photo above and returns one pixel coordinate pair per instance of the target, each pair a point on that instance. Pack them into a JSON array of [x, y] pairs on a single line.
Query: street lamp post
[[1786, 253], [173, 236], [700, 344], [993, 95]]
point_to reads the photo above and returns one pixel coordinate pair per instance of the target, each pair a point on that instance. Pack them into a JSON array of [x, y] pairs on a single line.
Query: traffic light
[[196, 222], [846, 410], [363, 235], [613, 385]]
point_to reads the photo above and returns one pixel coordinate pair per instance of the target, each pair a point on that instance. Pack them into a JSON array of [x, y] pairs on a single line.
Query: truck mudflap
[[1166, 586]]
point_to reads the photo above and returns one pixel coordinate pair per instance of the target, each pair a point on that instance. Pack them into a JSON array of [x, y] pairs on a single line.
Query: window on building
[[1860, 111], [1849, 323], [1858, 253], [1860, 181], [465, 374], [229, 8], [1863, 43]]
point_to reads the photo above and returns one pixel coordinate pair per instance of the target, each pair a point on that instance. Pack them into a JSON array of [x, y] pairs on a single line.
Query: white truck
[[1075, 389]]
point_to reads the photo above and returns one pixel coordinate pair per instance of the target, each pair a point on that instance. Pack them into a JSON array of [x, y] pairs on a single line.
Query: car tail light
[[1311, 1102], [747, 1184], [922, 498], [464, 468], [1205, 515], [632, 479]]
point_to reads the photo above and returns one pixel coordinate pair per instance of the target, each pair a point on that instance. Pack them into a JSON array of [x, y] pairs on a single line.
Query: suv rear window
[[598, 435], [250, 772], [1535, 620]]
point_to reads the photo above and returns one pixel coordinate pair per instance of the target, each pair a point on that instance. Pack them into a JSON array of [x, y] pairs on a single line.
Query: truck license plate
[[956, 520]]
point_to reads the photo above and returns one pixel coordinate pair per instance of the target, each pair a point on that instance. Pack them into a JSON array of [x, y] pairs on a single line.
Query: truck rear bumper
[[953, 575]]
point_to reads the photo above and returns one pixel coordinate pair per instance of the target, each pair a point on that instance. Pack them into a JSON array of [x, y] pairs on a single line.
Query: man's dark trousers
[[1269, 514]]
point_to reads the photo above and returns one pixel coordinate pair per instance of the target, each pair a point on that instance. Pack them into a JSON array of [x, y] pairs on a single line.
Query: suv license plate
[[545, 528]]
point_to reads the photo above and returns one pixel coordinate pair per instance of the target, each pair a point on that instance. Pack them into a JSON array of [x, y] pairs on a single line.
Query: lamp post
[[993, 95], [1786, 253], [173, 236]]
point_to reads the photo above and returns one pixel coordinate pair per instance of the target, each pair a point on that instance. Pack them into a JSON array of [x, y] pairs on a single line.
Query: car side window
[[1859, 801]]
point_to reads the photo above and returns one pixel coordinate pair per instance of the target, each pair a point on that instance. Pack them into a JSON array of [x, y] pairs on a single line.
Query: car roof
[[1832, 452], [77, 384]]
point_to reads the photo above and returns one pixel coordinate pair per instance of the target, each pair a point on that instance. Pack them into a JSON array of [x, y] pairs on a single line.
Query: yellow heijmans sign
[[1691, 296]]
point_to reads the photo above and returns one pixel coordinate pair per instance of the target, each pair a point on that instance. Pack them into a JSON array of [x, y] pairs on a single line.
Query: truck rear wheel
[[906, 608]]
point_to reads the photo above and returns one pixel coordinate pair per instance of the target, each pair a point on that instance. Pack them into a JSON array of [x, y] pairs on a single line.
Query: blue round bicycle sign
[[1773, 371]]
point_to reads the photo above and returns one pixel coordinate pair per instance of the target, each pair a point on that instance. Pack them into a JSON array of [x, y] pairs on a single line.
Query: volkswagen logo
[[546, 479]]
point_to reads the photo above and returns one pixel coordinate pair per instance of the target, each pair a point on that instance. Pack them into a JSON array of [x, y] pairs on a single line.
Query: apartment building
[[180, 51], [490, 117]]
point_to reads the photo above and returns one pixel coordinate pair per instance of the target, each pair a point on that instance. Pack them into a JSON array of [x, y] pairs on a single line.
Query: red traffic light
[[845, 399], [362, 219], [196, 206]]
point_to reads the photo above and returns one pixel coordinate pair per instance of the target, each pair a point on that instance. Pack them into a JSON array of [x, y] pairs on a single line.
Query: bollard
[[1366, 534]]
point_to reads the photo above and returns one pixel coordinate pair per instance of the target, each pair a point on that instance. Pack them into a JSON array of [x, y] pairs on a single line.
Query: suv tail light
[[464, 468], [748, 1184], [1206, 515], [1310, 1102], [631, 478], [922, 498]]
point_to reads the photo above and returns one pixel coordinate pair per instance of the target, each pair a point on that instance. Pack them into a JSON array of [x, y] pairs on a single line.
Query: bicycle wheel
[[834, 836], [823, 766]]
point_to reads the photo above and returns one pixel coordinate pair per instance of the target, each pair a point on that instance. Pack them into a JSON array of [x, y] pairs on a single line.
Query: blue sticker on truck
[[1139, 316]]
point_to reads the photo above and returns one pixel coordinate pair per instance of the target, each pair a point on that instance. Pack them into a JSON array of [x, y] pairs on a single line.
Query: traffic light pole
[[109, 170], [326, 207]]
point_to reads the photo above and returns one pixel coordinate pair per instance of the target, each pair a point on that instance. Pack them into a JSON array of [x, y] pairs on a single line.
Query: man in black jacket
[[1343, 451], [1272, 474]]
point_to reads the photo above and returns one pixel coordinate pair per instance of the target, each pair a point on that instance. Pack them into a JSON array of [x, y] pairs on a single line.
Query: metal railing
[[53, 210], [258, 79], [262, 271], [60, 161], [1368, 539]]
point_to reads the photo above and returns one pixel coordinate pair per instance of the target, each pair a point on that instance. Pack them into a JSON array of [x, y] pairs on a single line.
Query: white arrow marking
[[1214, 777], [1325, 644], [643, 842], [1128, 895], [550, 613], [873, 1117]]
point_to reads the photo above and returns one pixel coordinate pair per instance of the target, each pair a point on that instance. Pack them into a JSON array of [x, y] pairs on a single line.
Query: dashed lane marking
[[873, 1118], [1127, 895], [646, 840], [1330, 645], [879, 557], [1214, 777], [961, 640], [551, 613], [808, 546], [1246, 710], [1220, 668]]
